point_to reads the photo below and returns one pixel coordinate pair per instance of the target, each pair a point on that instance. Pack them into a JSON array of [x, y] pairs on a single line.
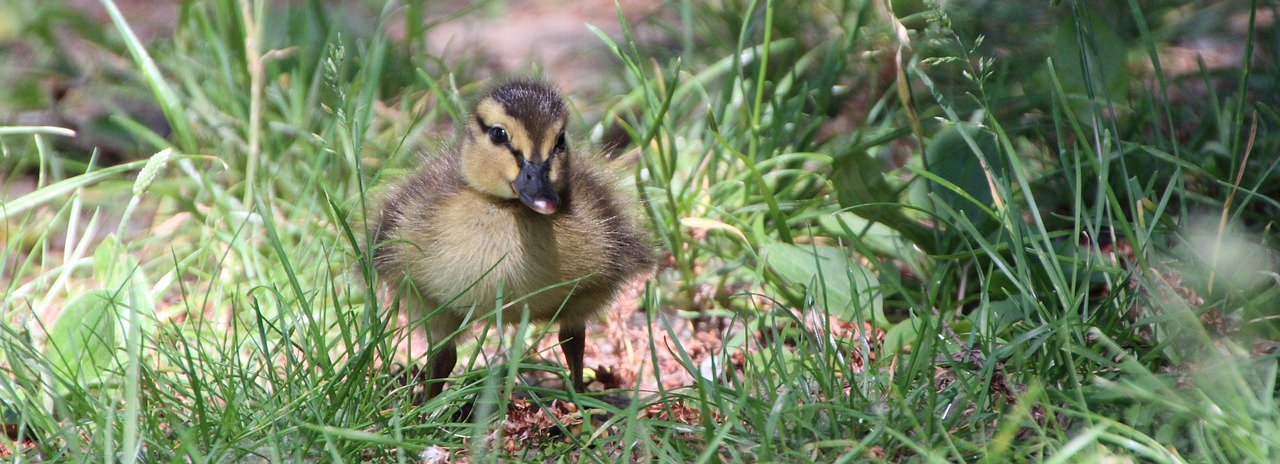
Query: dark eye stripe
[[499, 136], [505, 138]]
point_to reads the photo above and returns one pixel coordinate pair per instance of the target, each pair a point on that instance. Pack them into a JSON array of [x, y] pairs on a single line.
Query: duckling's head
[[514, 146]]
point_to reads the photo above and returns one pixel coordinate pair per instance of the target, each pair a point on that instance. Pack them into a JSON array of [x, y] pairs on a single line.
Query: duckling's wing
[[601, 204], [414, 202]]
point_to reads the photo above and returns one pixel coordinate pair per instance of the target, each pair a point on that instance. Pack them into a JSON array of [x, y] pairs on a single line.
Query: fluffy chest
[[479, 248]]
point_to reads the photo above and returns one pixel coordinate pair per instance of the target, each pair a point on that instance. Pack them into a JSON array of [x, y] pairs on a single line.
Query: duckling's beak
[[534, 187]]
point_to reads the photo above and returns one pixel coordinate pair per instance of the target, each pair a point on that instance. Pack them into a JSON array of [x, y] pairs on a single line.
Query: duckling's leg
[[441, 363], [442, 360], [573, 340]]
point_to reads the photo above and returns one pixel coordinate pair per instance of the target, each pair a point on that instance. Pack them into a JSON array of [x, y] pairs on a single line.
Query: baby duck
[[509, 211]]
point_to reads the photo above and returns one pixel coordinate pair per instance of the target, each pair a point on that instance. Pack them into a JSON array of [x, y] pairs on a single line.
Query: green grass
[[995, 233]]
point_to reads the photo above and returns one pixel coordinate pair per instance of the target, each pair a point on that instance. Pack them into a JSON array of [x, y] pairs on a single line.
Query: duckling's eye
[[498, 135], [560, 143]]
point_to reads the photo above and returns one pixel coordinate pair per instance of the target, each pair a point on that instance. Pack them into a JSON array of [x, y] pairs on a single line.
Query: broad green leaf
[[114, 269], [862, 188], [952, 158], [82, 343], [108, 269], [901, 336], [859, 181], [837, 283], [881, 239]]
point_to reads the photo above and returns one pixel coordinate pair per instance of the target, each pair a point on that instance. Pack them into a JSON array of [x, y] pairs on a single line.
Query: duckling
[[511, 210]]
